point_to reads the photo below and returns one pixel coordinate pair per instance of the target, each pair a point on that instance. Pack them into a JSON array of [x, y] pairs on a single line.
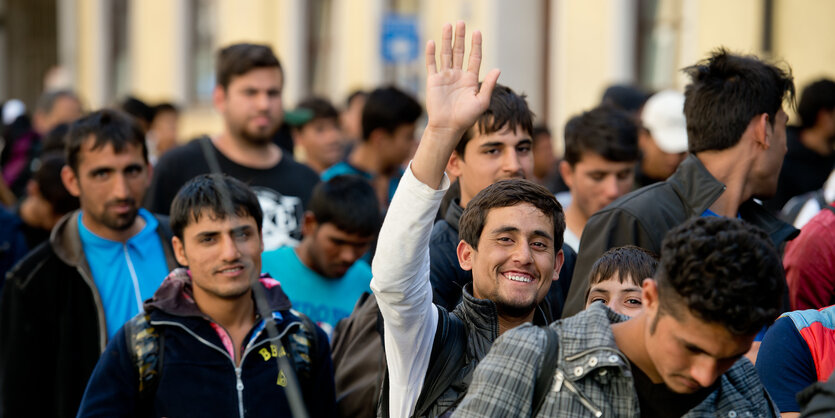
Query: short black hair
[[605, 130], [218, 194], [164, 107], [56, 139], [239, 59], [726, 92], [138, 109], [507, 110], [349, 203], [107, 126], [387, 108], [625, 97], [817, 96], [320, 108], [628, 262], [506, 193], [723, 271], [48, 179]]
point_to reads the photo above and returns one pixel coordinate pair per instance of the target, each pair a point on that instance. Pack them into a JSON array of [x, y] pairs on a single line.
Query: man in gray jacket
[[718, 282], [736, 131]]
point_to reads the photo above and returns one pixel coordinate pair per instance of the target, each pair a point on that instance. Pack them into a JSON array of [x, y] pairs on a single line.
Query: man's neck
[[259, 155], [731, 168], [113, 234], [575, 219], [629, 337], [507, 323], [236, 316], [816, 140], [365, 158], [302, 251]]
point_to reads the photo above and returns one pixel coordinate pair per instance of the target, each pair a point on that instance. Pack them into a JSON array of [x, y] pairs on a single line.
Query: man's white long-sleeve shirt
[[403, 291]]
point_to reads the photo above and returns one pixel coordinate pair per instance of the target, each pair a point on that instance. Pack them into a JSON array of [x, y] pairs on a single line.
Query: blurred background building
[[561, 53]]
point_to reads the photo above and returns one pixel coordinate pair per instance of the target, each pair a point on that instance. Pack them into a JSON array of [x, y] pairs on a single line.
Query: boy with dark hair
[[324, 276], [162, 134], [319, 138], [219, 327], [737, 139], [248, 95], [617, 276], [680, 356], [601, 149], [511, 240], [100, 263], [388, 135]]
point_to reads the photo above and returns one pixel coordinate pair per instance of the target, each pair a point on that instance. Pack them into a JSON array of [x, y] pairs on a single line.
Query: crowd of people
[[323, 262]]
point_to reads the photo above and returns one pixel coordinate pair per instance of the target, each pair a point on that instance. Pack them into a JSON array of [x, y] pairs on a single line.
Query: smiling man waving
[[511, 238]]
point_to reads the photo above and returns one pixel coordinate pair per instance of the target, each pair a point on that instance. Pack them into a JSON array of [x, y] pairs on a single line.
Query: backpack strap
[[445, 362], [302, 346], [546, 372], [146, 349]]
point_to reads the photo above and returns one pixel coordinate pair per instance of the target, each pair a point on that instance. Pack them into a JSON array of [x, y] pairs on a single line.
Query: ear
[[377, 136], [649, 295], [179, 251], [453, 166], [309, 224], [567, 174], [558, 262], [219, 98], [466, 253], [762, 130], [70, 181]]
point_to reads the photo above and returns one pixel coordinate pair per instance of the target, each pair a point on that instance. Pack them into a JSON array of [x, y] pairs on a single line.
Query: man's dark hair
[[723, 271], [56, 139], [507, 110], [214, 195], [538, 132], [628, 262], [107, 126], [625, 97], [817, 96], [320, 108], [138, 109], [164, 107], [239, 59], [506, 193], [355, 94], [48, 179], [47, 100], [727, 91], [349, 203], [606, 131], [387, 108]]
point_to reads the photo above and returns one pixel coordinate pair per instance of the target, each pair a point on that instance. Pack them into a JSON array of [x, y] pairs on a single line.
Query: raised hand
[[453, 101], [453, 98]]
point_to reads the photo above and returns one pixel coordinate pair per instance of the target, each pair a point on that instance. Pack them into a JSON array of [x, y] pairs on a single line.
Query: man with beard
[[69, 296], [248, 95]]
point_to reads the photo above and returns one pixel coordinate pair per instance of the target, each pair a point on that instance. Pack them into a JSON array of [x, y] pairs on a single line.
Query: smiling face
[[515, 261], [222, 254], [488, 158], [251, 104], [621, 296], [110, 187]]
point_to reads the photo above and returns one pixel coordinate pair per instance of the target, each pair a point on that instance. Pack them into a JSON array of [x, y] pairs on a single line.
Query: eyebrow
[[537, 232]]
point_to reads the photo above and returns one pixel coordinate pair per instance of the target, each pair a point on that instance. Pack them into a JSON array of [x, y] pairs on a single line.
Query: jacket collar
[[453, 213], [175, 295], [587, 341], [483, 316]]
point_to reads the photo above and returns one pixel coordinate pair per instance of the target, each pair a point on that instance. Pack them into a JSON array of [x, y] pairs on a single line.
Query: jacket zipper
[[583, 399], [239, 383], [137, 292]]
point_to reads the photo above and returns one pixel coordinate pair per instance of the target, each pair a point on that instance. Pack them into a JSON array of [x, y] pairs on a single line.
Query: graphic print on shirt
[[282, 218]]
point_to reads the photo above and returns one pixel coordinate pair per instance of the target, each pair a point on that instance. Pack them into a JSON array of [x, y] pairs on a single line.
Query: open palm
[[453, 98]]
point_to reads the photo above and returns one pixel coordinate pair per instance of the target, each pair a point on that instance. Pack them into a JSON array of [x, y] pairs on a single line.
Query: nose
[[610, 187], [510, 161], [229, 250], [522, 253], [120, 187], [705, 371], [348, 254]]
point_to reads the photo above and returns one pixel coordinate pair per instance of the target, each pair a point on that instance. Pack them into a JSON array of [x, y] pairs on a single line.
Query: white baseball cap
[[663, 116]]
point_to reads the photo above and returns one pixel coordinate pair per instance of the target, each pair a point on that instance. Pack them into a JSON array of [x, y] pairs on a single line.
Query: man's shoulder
[[342, 168], [443, 233], [739, 389], [188, 158], [39, 264]]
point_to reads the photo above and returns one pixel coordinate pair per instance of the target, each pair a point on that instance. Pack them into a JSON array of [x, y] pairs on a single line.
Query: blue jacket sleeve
[[113, 387], [785, 364]]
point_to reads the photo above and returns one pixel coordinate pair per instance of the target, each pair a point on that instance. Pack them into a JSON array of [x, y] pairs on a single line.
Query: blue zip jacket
[[199, 377]]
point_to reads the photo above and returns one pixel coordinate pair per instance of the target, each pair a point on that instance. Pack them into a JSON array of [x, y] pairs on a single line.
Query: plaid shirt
[[593, 377]]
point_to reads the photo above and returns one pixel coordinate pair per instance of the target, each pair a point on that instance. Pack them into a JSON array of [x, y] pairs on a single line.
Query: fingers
[[488, 84], [458, 46], [446, 47], [475, 54], [431, 67]]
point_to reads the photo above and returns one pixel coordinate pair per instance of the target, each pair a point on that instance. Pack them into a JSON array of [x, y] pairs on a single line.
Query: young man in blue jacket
[[214, 336]]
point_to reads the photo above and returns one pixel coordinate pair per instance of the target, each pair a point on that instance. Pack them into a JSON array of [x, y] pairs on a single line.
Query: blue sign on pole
[[400, 39]]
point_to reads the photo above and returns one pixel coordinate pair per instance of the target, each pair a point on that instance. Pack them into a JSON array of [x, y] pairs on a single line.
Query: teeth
[[517, 278], [231, 270]]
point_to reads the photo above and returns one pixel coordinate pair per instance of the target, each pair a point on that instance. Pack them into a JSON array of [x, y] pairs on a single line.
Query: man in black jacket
[[65, 299], [736, 130]]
